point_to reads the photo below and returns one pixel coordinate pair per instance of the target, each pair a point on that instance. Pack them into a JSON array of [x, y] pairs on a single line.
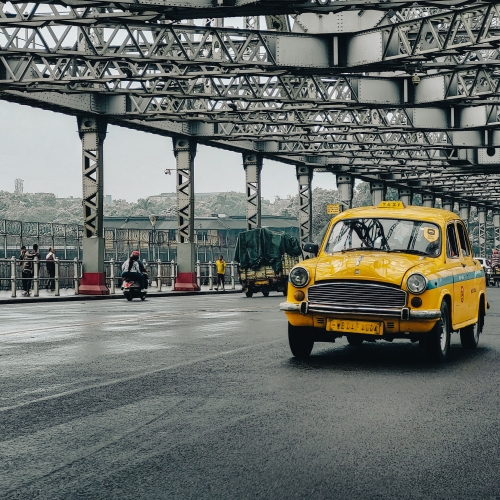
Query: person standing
[[51, 269], [220, 266], [495, 259], [26, 271]]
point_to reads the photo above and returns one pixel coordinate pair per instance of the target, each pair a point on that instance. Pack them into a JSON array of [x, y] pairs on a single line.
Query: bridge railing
[[162, 275]]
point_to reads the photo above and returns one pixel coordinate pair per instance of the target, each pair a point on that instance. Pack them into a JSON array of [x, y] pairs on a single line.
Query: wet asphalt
[[199, 398]]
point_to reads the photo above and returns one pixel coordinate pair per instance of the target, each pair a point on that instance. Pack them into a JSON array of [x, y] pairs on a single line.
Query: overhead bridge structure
[[396, 93]]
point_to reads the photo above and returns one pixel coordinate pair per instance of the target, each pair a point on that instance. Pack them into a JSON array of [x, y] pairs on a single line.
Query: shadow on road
[[383, 356]]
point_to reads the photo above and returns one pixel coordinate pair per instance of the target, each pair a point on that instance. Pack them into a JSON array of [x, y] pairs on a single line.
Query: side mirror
[[311, 248]]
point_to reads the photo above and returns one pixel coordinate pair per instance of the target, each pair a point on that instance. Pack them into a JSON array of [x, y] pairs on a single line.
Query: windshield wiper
[[356, 248], [414, 252]]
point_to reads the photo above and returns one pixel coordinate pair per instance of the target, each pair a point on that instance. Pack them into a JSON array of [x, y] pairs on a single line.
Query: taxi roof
[[436, 215]]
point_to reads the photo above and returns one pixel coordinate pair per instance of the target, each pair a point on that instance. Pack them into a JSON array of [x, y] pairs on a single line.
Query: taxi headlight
[[299, 277], [416, 283]]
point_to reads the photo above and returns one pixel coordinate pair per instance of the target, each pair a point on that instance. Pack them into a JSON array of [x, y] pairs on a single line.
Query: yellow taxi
[[388, 272]]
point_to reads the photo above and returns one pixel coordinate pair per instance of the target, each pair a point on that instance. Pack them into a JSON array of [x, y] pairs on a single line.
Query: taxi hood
[[366, 265]]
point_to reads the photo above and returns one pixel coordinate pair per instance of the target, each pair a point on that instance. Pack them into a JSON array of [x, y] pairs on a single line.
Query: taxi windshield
[[389, 235]]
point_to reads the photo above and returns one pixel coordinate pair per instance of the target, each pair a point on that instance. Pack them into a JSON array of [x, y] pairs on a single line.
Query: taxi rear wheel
[[437, 341], [469, 336], [300, 340]]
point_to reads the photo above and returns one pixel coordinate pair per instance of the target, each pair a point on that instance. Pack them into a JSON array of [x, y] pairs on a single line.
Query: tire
[[129, 297], [266, 293], [249, 293], [143, 296], [469, 336], [437, 341], [354, 340], [285, 290], [299, 338]]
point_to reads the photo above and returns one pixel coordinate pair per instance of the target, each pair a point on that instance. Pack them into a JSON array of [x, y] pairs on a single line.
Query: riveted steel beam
[[252, 163], [304, 177], [185, 152]]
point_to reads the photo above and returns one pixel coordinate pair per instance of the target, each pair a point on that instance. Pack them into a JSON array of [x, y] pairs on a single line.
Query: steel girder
[[295, 97]]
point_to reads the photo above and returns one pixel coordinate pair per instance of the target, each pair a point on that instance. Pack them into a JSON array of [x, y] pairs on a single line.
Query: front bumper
[[404, 313]]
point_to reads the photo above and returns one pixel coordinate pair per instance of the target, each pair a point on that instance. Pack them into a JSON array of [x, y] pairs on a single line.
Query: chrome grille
[[356, 294]]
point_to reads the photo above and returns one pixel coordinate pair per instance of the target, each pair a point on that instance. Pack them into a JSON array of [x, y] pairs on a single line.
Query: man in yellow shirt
[[220, 265]]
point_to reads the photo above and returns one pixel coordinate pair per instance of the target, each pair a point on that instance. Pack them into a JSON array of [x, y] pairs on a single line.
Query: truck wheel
[[299, 338], [469, 336], [249, 293], [437, 341]]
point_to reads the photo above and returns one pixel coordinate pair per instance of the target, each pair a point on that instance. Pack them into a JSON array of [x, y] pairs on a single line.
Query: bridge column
[[428, 200], [92, 131], [464, 207], [344, 186], [252, 163], [481, 211], [185, 152], [405, 195], [304, 176], [496, 228], [447, 204], [378, 191]]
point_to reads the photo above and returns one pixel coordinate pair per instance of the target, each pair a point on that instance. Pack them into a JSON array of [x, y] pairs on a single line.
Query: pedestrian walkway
[[68, 294]]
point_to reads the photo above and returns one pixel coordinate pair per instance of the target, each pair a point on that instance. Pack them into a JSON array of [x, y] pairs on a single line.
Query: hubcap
[[443, 339]]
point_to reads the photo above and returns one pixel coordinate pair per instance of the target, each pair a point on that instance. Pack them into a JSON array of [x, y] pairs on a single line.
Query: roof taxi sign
[[391, 204]]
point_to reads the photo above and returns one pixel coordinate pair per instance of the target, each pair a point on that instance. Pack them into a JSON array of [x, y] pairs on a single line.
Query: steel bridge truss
[[399, 93]]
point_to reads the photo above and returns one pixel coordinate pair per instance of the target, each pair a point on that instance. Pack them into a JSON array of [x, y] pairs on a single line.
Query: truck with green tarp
[[265, 259]]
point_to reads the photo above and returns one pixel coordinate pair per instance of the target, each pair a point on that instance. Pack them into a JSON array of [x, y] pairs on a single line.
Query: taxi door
[[457, 267], [471, 284]]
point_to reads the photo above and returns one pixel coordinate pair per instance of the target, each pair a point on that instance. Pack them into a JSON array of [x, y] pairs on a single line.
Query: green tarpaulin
[[261, 247]]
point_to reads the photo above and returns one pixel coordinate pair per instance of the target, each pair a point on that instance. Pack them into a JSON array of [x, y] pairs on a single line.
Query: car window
[[391, 235], [463, 240], [451, 242]]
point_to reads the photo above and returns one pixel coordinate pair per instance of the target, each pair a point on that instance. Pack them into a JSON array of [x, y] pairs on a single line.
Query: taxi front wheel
[[437, 341], [301, 343]]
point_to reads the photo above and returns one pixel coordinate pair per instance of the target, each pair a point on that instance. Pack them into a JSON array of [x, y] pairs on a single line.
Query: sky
[[43, 148]]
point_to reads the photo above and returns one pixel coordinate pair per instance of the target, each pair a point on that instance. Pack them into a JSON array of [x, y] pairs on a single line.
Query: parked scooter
[[132, 289]]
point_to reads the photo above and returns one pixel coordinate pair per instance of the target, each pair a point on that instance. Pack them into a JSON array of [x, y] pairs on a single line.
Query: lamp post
[[153, 219]]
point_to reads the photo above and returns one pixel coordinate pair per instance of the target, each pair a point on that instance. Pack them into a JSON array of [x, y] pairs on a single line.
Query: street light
[[154, 219]]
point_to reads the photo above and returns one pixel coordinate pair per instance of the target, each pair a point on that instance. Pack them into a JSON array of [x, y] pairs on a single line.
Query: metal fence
[[68, 273], [66, 239]]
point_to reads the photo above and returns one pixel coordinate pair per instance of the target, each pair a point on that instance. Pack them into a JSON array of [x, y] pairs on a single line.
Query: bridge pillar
[[481, 211], [496, 228], [378, 191], [304, 176], [428, 200], [464, 207], [344, 186], [252, 163], [92, 131], [405, 195], [447, 204], [185, 152]]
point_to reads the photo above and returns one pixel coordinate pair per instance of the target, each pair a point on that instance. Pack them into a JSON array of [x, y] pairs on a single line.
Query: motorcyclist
[[133, 269]]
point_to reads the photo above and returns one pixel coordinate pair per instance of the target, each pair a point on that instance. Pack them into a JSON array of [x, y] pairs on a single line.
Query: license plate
[[266, 282], [348, 326]]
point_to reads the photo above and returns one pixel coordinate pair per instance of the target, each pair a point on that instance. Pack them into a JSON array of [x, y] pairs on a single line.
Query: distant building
[[108, 200], [19, 186]]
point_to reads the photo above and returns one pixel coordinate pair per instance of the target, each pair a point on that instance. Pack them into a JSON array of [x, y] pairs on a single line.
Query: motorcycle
[[133, 289]]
